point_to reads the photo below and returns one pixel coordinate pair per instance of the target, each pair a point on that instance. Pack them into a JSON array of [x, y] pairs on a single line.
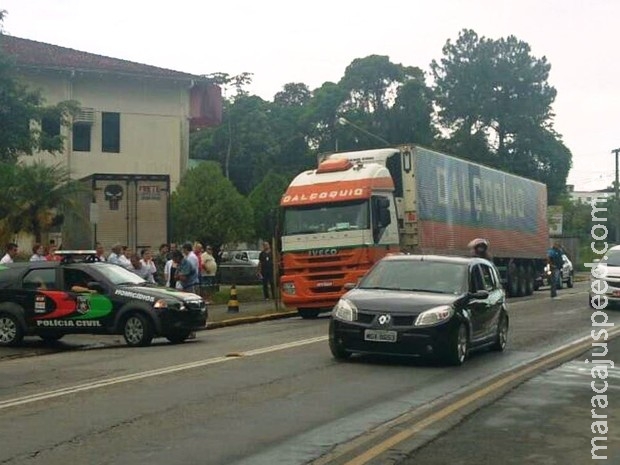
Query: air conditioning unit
[[85, 116]]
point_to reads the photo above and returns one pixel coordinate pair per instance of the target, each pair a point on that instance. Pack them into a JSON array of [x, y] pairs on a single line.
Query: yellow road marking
[[577, 347]]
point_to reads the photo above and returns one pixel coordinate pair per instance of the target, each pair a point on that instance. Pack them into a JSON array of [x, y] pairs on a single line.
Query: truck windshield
[[341, 216]]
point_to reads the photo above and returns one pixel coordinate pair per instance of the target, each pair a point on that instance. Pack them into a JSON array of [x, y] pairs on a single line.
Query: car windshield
[[421, 276], [118, 275], [613, 258], [342, 216]]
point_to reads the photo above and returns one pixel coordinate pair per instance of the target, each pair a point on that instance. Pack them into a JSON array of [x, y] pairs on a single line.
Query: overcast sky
[[313, 41]]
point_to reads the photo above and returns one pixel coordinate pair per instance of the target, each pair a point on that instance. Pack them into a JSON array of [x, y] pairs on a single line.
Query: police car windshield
[[118, 275]]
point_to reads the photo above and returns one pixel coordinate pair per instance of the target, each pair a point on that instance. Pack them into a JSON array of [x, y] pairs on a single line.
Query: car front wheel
[[138, 330], [458, 347], [11, 331], [178, 337], [502, 335]]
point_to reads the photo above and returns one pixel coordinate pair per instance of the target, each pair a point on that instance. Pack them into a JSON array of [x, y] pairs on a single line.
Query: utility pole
[[617, 209]]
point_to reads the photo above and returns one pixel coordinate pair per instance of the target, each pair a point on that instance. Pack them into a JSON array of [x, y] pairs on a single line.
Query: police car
[[80, 294]]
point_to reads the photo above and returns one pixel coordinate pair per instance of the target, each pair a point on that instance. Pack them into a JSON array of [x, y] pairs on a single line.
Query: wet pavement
[[545, 421]]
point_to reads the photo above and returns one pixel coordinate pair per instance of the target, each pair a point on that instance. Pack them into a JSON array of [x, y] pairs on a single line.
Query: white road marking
[[151, 373]]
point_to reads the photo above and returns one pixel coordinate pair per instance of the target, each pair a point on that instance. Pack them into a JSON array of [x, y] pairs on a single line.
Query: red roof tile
[[30, 53]]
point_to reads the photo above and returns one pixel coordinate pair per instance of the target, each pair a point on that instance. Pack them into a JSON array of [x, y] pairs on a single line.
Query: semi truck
[[356, 207]]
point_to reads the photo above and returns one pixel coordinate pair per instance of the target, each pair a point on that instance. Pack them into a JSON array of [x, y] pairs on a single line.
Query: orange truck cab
[[338, 220]]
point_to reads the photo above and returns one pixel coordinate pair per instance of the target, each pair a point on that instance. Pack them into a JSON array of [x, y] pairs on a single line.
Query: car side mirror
[[479, 295], [349, 286], [95, 286]]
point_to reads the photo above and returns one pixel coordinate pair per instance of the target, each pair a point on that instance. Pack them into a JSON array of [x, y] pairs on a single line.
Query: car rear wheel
[[178, 337], [11, 331], [137, 330], [502, 334], [309, 313], [458, 347]]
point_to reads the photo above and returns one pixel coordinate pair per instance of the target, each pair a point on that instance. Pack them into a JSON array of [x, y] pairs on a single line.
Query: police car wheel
[[11, 331], [137, 330]]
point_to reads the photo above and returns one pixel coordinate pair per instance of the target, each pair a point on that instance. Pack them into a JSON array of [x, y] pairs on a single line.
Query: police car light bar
[[75, 252]]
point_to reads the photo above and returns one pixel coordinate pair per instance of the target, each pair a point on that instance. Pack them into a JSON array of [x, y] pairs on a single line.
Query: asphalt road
[[267, 393]]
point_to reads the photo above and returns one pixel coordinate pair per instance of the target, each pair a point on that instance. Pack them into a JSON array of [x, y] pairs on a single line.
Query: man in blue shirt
[[554, 258], [187, 272]]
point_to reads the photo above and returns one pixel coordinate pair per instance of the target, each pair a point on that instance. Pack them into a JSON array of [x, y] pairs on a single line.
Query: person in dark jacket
[[265, 269], [480, 248]]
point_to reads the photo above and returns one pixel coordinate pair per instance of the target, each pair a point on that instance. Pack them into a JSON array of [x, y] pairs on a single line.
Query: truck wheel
[[11, 331], [522, 280], [570, 283], [138, 330], [456, 352], [530, 277], [308, 313]]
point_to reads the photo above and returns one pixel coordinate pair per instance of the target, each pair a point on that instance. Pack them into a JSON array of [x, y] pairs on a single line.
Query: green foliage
[[21, 112], [494, 97], [265, 199], [207, 207], [35, 197]]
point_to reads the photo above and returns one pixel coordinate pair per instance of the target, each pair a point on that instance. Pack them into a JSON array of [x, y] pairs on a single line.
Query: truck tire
[[11, 330], [522, 280], [531, 278], [138, 330], [309, 313]]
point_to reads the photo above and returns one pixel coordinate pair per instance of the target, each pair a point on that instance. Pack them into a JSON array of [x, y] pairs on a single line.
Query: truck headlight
[[288, 288], [345, 310], [434, 315]]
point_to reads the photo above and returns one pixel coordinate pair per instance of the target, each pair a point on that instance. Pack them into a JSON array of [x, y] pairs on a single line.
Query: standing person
[[100, 251], [208, 271], [480, 248], [38, 254], [51, 256], [172, 249], [137, 267], [187, 272], [170, 270], [160, 264], [11, 252], [555, 261], [125, 257], [146, 261], [115, 256], [265, 268]]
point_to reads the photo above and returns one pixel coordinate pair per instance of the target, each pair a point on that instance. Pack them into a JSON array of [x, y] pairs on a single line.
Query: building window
[[81, 137], [50, 126], [110, 132]]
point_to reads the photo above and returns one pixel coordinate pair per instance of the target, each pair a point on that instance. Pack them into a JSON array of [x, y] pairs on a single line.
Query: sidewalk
[[249, 312]]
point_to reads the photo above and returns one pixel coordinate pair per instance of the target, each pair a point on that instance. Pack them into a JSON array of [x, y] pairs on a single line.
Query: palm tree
[[41, 195]]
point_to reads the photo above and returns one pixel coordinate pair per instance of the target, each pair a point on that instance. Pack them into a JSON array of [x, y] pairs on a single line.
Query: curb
[[250, 319]]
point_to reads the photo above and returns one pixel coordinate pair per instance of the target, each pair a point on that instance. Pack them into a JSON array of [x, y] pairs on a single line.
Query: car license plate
[[379, 335]]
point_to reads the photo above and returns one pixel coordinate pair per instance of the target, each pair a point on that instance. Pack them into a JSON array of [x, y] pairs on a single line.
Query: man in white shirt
[[11, 251]]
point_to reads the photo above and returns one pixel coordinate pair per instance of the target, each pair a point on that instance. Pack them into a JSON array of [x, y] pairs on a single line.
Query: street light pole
[[617, 209], [344, 121]]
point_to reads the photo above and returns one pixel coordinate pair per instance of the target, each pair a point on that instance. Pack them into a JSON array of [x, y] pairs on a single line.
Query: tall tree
[[36, 197], [265, 199], [22, 111], [497, 91], [207, 207]]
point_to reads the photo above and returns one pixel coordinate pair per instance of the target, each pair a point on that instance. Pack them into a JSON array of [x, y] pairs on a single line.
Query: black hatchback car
[[419, 305], [81, 295]]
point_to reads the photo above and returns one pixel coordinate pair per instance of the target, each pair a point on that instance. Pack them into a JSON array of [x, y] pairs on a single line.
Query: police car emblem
[[83, 305]]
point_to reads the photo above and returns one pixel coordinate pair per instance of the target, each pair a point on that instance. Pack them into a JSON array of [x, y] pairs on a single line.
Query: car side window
[[75, 278], [475, 279], [487, 277], [40, 279]]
